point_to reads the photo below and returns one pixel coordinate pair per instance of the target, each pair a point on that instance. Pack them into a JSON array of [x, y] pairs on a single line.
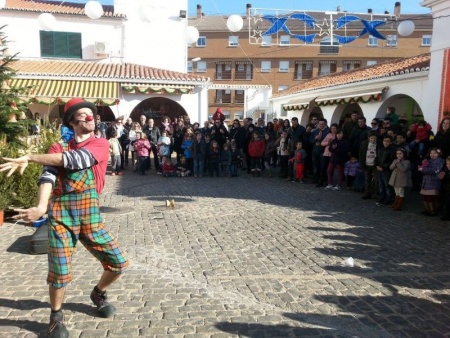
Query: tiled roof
[[390, 68], [62, 7], [60, 69]]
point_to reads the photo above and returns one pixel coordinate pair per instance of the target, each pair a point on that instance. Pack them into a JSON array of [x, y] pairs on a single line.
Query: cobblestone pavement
[[244, 257]]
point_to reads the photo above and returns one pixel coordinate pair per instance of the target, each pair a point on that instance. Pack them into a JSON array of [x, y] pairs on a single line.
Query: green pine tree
[[12, 102]]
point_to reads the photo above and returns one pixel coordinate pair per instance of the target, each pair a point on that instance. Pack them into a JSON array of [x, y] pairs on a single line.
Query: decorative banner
[[310, 28]]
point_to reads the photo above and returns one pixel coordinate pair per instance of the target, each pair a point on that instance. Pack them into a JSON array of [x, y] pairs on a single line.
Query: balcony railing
[[222, 75], [243, 76]]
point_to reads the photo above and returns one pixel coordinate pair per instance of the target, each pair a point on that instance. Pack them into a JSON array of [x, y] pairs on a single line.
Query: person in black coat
[[237, 134]]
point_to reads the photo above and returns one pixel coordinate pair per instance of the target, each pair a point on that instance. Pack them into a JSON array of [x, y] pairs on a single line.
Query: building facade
[[236, 61], [121, 61]]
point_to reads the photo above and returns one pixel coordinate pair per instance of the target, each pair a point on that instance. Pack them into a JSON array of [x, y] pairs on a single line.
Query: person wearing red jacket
[[422, 130], [256, 149]]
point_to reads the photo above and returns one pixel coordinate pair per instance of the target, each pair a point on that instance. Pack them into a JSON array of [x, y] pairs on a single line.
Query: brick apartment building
[[234, 63]]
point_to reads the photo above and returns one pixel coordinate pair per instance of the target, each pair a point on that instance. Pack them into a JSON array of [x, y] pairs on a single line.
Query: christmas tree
[[13, 105]]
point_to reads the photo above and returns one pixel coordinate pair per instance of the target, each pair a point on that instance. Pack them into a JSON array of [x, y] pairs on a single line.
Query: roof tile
[[390, 68], [70, 68], [53, 7]]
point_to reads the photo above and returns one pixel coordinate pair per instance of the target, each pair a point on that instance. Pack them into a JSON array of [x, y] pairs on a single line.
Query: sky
[[225, 7]]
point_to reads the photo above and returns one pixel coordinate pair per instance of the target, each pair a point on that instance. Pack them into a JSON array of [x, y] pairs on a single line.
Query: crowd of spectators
[[380, 160]]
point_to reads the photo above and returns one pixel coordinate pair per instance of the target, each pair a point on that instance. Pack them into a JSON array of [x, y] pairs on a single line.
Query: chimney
[[338, 9], [397, 9], [369, 11], [249, 9], [199, 11]]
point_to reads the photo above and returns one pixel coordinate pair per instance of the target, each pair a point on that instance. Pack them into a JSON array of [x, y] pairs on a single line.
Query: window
[[285, 40], [266, 66], [370, 63], [327, 67], [373, 41], [267, 40], [60, 44], [303, 70], [391, 41], [426, 40], [233, 41], [227, 114], [189, 67], [282, 87], [240, 92], [239, 115], [201, 41], [241, 68], [349, 65], [283, 67], [328, 46], [201, 67]]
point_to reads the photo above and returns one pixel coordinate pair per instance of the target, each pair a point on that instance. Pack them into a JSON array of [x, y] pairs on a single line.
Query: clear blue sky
[[217, 7]]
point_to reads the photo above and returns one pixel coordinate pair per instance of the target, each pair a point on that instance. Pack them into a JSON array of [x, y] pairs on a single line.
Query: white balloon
[[235, 23], [93, 9], [406, 28], [192, 34], [2, 4], [46, 21]]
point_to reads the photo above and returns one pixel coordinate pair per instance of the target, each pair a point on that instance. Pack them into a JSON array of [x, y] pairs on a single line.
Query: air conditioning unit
[[101, 47]]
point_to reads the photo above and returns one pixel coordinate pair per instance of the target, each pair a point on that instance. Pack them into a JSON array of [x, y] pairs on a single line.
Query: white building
[[415, 86], [132, 59]]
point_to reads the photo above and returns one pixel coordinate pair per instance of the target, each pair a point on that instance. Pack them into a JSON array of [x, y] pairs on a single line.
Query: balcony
[[243, 76], [305, 75], [222, 100], [222, 76]]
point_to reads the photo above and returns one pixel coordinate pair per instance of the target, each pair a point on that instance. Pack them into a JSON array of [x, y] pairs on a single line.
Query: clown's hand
[[12, 164]]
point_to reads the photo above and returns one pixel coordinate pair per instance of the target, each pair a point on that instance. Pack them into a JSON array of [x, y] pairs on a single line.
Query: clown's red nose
[[89, 118]]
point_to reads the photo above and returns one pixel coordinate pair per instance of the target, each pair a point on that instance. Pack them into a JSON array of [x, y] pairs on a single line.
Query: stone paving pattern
[[244, 257]]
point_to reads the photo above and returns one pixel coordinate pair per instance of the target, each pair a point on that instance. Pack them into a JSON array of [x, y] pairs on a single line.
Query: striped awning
[[60, 91], [301, 104], [155, 88], [363, 96]]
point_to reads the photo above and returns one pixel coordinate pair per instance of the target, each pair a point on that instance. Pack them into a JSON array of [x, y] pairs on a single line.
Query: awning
[[298, 104], [355, 96], [60, 91], [133, 88]]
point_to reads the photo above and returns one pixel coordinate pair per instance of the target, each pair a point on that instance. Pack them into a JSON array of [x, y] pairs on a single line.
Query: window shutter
[[60, 40], [74, 44], [46, 43], [333, 68]]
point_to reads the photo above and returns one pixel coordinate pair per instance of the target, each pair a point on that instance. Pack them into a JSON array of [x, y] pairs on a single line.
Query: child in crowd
[[299, 162], [183, 167], [422, 130], [367, 157], [444, 175], [225, 160], [163, 145], [187, 147], [339, 149], [400, 142], [168, 169], [400, 178], [214, 159], [268, 153], [385, 156], [236, 156], [115, 150], [351, 169], [431, 182], [256, 149], [142, 146], [206, 166], [198, 154], [283, 153]]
